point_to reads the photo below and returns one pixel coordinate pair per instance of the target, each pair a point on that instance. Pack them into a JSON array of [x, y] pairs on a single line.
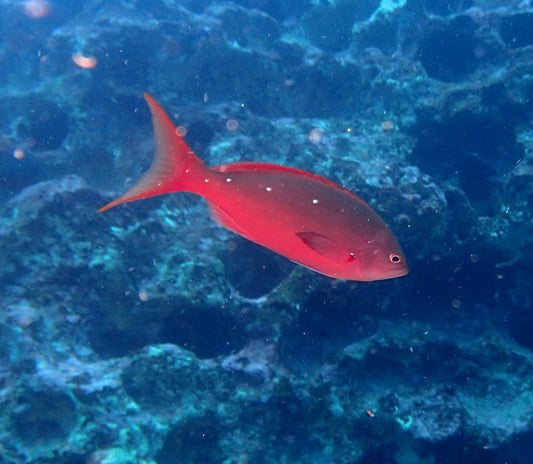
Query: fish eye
[[395, 258]]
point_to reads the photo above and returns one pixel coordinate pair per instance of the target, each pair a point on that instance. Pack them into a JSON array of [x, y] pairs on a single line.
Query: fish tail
[[175, 166]]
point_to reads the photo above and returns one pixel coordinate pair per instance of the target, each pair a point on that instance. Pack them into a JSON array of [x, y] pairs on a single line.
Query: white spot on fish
[[206, 180], [316, 201], [269, 189], [228, 179]]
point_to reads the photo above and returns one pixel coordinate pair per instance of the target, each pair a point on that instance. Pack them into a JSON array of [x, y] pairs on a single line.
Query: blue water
[[150, 334]]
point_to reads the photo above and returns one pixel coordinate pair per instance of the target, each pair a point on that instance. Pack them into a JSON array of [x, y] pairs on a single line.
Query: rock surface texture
[[148, 334]]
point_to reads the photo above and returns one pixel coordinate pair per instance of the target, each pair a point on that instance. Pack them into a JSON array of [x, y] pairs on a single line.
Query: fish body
[[299, 215]]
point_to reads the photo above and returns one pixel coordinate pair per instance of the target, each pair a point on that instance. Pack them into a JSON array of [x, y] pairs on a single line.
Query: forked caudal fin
[[173, 160]]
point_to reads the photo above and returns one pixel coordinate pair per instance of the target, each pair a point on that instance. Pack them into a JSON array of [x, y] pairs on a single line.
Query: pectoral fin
[[323, 245]]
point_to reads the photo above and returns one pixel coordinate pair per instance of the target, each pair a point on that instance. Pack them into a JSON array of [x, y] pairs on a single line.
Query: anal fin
[[224, 219]]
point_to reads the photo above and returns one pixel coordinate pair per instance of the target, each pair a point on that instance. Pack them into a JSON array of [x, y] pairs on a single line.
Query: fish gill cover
[[151, 335]]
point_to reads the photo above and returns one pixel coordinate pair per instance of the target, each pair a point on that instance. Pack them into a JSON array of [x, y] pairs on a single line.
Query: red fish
[[299, 215]]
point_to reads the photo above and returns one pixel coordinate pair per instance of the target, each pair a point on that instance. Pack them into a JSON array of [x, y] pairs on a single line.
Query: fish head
[[379, 258], [384, 264]]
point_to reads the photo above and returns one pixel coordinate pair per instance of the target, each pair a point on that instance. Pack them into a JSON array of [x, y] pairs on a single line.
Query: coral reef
[[149, 334]]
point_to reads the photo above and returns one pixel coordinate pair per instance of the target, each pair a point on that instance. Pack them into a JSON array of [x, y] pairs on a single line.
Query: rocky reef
[[148, 334]]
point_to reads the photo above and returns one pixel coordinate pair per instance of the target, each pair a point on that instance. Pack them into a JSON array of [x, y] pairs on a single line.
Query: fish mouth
[[390, 274], [397, 273], [403, 272]]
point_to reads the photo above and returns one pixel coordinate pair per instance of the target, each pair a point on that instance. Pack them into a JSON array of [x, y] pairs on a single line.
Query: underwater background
[[149, 334]]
